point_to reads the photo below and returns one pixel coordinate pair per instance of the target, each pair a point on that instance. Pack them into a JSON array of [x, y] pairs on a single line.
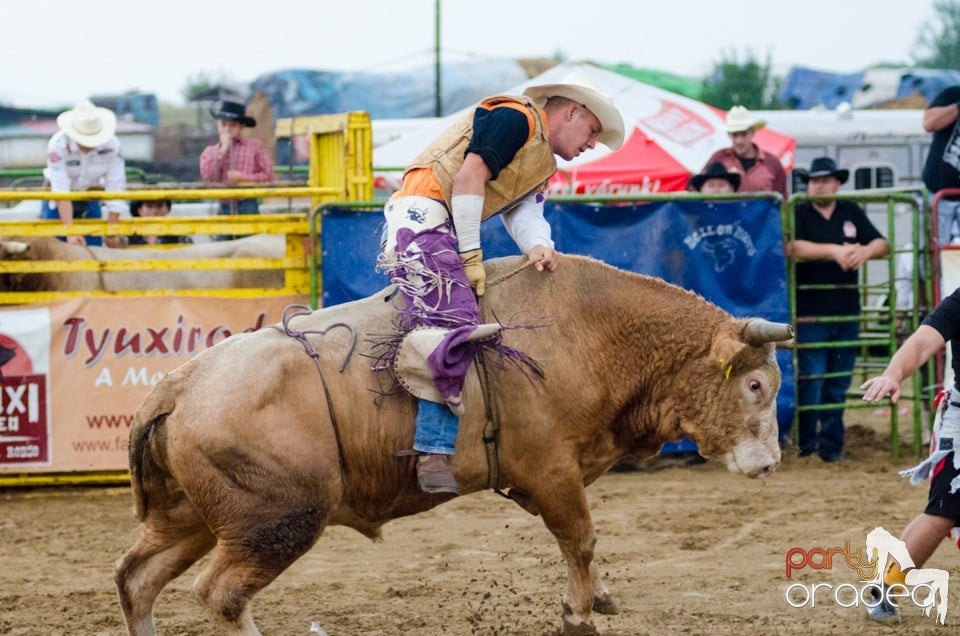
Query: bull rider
[[495, 161]]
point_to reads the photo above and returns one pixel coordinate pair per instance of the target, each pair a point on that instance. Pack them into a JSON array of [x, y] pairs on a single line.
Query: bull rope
[[491, 430], [93, 257], [510, 274], [301, 337]]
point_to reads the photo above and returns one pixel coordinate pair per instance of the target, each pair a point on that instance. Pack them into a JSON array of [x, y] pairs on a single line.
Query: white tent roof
[[688, 130]]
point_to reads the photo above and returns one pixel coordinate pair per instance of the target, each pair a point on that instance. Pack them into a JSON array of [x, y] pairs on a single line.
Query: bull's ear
[[724, 352]]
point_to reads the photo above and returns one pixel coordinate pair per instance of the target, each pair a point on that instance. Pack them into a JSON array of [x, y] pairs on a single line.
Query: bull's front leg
[[566, 515]]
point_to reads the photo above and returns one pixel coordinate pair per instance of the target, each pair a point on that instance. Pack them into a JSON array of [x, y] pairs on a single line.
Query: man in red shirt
[[234, 158], [760, 170]]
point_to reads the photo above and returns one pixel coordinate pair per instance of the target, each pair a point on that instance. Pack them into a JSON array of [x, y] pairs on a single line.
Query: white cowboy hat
[[740, 119], [579, 88], [88, 125]]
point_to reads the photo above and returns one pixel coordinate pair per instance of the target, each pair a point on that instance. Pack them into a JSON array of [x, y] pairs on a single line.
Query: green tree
[[202, 83], [749, 83], [938, 41]]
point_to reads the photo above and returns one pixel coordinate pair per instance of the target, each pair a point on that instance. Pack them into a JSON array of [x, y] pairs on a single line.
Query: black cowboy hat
[[824, 167], [234, 111], [136, 205], [715, 170]]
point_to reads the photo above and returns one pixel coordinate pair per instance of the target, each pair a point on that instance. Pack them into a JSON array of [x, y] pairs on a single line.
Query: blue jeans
[[237, 206], [436, 429], [81, 210], [240, 206], [828, 440], [948, 219]]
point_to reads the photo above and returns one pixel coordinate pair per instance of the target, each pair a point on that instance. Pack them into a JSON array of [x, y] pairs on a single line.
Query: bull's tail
[[143, 468], [149, 476]]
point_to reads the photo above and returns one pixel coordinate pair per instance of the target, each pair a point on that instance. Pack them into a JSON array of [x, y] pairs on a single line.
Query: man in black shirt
[[942, 168], [833, 240], [941, 517]]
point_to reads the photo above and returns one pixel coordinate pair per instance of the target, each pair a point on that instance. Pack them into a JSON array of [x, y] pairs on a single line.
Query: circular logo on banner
[[14, 359]]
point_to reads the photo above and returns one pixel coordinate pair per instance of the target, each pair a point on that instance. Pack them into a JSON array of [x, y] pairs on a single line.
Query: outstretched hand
[[880, 387]]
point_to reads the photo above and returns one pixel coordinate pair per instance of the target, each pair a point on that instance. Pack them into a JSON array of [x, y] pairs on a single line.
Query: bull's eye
[[755, 385]]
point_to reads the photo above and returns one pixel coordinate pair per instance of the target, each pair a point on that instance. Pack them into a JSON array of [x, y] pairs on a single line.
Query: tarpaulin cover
[[805, 88], [387, 94], [731, 253], [929, 82]]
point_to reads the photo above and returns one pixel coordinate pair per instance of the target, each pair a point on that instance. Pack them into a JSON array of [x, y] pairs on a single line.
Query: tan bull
[[50, 249], [239, 452]]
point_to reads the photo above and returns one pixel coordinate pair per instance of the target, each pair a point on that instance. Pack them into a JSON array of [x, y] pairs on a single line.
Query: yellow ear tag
[[726, 369]]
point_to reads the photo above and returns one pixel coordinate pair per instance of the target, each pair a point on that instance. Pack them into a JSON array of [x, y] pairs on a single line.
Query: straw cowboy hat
[[88, 125], [823, 167], [715, 170], [234, 111], [577, 87], [739, 119]]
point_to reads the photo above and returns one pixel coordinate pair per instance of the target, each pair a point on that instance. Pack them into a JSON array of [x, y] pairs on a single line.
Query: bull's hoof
[[582, 628], [605, 605]]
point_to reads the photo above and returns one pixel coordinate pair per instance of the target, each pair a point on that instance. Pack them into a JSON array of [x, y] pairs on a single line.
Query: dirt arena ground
[[685, 550]]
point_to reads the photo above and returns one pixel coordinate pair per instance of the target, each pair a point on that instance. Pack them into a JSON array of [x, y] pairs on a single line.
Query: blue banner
[[729, 252]]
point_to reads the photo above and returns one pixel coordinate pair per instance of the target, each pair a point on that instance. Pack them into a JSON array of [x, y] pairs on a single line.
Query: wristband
[[467, 214]]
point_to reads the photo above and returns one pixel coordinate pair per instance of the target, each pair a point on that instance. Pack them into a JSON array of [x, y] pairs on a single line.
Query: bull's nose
[[764, 471]]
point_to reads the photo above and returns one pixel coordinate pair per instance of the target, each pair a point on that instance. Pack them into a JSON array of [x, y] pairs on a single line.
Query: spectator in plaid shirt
[[234, 158]]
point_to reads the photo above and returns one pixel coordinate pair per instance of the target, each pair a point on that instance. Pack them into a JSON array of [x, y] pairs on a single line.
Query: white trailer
[[881, 148]]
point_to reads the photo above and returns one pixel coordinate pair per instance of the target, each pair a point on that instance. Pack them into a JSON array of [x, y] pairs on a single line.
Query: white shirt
[[526, 226], [69, 169]]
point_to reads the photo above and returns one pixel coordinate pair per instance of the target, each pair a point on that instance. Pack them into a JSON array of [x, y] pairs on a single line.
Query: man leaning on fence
[[236, 159], [833, 240], [84, 154]]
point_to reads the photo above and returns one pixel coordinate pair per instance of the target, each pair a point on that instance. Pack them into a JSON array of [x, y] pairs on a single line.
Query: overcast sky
[[57, 52]]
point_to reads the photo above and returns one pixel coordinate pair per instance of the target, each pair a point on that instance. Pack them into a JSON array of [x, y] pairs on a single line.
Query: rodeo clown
[[85, 155], [495, 161], [941, 518]]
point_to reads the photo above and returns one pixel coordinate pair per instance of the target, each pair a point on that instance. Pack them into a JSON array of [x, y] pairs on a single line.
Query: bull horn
[[759, 332]]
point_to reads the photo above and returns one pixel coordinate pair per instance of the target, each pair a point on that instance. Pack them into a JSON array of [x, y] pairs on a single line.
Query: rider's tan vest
[[529, 171]]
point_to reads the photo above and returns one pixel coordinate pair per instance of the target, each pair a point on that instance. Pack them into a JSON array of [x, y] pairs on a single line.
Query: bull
[[50, 249], [253, 447]]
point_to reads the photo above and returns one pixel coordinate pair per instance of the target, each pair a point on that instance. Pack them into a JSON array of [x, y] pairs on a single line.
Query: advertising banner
[[730, 252], [73, 373]]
